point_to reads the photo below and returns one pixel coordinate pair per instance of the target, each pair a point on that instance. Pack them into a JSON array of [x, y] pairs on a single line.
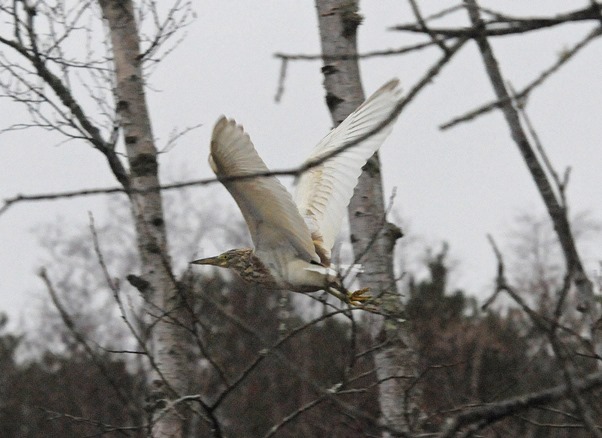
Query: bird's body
[[276, 272], [293, 239]]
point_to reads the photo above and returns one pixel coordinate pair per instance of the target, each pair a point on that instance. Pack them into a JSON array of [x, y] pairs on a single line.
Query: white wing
[[323, 193], [268, 208]]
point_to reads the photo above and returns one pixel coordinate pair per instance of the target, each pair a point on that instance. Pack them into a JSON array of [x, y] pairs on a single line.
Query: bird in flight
[[294, 236]]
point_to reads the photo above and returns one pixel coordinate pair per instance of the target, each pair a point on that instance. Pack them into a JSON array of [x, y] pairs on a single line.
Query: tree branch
[[566, 56], [494, 412], [555, 209], [504, 25]]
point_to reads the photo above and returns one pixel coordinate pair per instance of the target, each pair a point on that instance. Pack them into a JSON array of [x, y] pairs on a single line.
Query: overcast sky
[[455, 185]]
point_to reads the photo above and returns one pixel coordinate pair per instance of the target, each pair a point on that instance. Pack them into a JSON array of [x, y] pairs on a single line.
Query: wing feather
[[268, 208], [323, 193]]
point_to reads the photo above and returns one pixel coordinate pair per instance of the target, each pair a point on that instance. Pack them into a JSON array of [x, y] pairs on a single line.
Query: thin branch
[[553, 425], [494, 412], [175, 135], [298, 371], [116, 296], [556, 211], [69, 102], [104, 427], [266, 352], [365, 55], [70, 324], [502, 285], [500, 278], [281, 80], [567, 55], [427, 78], [547, 325], [507, 25], [286, 57], [295, 171], [306, 407], [172, 404], [550, 329], [193, 326], [559, 184], [582, 408], [422, 23]]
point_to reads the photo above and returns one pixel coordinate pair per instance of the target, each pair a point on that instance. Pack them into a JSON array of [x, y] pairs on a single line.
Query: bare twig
[[286, 57], [281, 79], [295, 171], [502, 285], [493, 412], [570, 375], [504, 25], [106, 428], [365, 55], [275, 428], [79, 337], [178, 17], [422, 23], [559, 184], [266, 352], [116, 295], [175, 135], [500, 278], [555, 209], [189, 286], [271, 349], [567, 55], [171, 404]]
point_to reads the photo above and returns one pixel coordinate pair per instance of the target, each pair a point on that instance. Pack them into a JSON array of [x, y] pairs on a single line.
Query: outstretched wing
[[323, 193], [268, 208]]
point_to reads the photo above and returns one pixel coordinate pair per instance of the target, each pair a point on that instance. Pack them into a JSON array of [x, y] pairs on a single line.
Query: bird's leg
[[355, 298], [336, 293]]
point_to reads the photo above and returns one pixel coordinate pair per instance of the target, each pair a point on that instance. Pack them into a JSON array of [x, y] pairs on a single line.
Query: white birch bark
[[372, 237], [156, 280]]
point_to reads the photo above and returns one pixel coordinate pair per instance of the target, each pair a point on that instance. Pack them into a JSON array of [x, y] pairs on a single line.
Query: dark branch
[[566, 56], [503, 25], [432, 72], [554, 206], [494, 412]]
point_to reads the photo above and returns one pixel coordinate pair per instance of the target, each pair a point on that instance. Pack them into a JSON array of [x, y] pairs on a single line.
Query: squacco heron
[[293, 237]]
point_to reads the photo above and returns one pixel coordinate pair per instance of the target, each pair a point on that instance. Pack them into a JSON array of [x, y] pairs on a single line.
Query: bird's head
[[229, 259]]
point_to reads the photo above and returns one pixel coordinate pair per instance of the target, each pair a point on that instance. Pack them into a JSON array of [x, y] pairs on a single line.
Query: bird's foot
[[359, 297]]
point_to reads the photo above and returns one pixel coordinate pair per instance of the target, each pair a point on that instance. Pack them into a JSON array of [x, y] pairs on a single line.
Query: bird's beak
[[207, 261]]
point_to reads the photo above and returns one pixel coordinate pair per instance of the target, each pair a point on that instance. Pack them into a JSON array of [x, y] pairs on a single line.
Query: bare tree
[[40, 32], [372, 236]]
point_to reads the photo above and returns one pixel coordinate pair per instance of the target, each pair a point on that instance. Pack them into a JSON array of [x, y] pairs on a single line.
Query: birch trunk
[[156, 280], [372, 237]]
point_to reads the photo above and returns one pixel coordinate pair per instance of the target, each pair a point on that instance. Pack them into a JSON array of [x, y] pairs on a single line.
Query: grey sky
[[456, 185]]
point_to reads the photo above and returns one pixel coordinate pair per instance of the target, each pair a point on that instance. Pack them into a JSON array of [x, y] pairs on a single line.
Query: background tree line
[[280, 355]]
